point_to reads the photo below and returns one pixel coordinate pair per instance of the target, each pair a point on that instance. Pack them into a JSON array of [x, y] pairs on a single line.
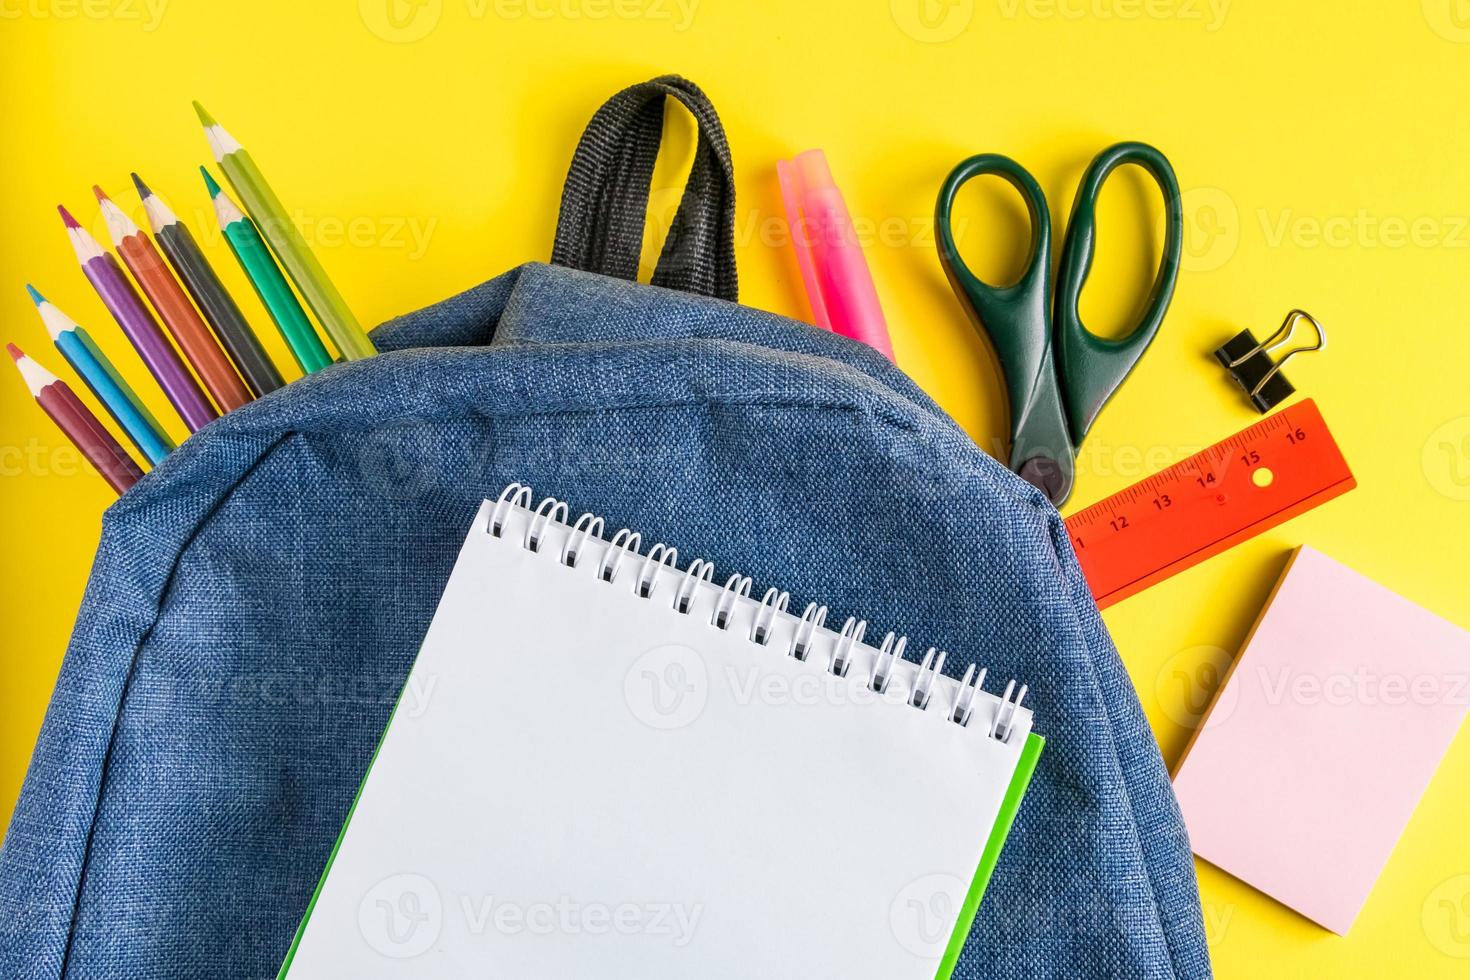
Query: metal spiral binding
[[930, 669], [622, 542], [773, 602], [661, 558], [698, 571], [737, 587], [544, 516], [658, 556], [587, 526], [851, 635], [811, 621], [891, 651]]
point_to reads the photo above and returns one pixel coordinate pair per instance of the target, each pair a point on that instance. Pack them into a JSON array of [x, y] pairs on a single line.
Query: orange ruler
[[1263, 476]]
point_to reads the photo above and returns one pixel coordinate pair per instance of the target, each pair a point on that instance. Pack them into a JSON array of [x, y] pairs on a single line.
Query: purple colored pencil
[[127, 308]]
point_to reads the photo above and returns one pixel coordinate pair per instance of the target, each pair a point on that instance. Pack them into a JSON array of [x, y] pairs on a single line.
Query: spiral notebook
[[606, 765]]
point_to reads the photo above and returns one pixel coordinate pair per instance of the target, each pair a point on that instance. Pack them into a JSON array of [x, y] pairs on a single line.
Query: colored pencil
[[77, 423], [230, 326], [265, 277], [127, 308], [285, 239], [173, 307], [115, 394]]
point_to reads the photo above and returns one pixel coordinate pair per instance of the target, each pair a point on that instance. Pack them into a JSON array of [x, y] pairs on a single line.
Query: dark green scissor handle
[[1093, 367], [1058, 373]]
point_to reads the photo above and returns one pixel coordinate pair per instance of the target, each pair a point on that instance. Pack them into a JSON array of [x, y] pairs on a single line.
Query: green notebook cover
[[1025, 766]]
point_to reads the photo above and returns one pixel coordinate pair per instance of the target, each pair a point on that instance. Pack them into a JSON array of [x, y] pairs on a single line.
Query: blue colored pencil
[[121, 402]]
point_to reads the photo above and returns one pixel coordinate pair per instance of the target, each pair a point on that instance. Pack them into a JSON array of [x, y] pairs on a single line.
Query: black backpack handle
[[605, 202]]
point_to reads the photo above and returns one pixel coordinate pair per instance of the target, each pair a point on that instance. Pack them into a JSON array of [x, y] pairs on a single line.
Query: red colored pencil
[[77, 423], [174, 308]]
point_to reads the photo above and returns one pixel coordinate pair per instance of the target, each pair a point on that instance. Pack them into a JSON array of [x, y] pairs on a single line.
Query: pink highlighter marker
[[838, 284]]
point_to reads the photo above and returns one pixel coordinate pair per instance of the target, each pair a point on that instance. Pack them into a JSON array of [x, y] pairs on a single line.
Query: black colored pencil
[[209, 294]]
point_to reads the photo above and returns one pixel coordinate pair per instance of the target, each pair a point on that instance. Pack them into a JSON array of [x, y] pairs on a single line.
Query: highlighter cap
[[839, 286], [812, 171], [798, 177]]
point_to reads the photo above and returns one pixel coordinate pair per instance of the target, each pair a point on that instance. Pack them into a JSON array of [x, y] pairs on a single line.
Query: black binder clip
[[1252, 367]]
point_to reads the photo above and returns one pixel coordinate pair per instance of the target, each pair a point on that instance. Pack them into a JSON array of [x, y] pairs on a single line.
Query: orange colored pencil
[[173, 306]]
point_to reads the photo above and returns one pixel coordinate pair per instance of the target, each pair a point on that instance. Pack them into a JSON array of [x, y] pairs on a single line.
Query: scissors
[[1058, 373]]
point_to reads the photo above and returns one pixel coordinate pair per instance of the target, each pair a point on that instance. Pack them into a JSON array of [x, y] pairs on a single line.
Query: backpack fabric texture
[[257, 601]]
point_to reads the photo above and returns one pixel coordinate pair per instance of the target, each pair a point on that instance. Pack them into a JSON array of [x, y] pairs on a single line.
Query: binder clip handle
[[1251, 364]]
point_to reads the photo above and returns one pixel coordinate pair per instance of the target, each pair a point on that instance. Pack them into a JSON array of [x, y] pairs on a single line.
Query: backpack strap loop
[[605, 201]]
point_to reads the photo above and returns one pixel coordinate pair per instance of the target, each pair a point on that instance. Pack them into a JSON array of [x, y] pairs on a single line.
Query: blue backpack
[[258, 598]]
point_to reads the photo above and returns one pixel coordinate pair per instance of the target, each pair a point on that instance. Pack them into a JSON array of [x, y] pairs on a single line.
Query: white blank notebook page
[[579, 781]]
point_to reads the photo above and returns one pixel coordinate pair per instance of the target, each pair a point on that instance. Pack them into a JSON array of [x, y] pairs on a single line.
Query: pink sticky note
[[1306, 769]]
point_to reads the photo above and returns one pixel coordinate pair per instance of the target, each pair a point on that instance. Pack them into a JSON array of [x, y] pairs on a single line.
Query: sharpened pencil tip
[[209, 183], [66, 217], [143, 190], [203, 114], [102, 197], [36, 297], [15, 352]]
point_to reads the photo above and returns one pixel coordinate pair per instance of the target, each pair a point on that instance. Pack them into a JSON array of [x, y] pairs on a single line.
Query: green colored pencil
[[286, 241], [265, 277]]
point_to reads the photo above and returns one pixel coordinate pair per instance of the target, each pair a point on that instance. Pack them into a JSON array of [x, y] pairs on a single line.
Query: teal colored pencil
[[265, 277], [286, 240], [96, 370]]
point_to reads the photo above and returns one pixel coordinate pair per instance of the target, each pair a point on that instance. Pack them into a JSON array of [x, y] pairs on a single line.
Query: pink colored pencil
[[78, 423], [127, 308]]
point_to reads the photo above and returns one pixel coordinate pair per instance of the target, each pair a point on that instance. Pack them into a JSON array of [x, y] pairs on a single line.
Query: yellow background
[[1322, 149]]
